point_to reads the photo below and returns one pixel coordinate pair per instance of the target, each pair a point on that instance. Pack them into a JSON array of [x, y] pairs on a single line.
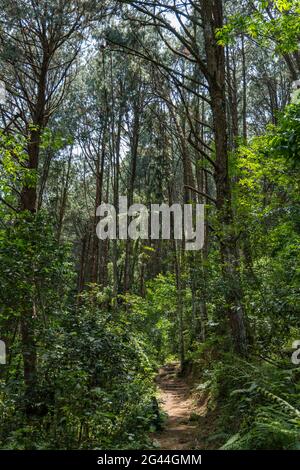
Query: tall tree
[[39, 41]]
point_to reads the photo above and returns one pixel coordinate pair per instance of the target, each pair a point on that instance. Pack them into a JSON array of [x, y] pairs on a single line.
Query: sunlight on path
[[179, 432]]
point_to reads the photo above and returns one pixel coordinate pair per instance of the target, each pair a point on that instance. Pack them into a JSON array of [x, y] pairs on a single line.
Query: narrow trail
[[179, 432]]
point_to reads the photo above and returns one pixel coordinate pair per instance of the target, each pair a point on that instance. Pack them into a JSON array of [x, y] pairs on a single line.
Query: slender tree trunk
[[134, 151], [83, 254], [116, 178], [64, 197], [28, 315], [244, 111], [98, 198], [178, 266], [232, 100], [212, 16]]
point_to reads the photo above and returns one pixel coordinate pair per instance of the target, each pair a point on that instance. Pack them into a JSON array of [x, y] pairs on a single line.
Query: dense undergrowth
[[251, 404], [96, 385], [86, 321]]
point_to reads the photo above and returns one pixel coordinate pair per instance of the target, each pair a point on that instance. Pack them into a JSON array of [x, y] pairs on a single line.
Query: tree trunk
[[212, 16], [134, 151], [27, 320]]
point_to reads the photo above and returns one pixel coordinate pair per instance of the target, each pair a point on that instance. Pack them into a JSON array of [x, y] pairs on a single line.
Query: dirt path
[[179, 432]]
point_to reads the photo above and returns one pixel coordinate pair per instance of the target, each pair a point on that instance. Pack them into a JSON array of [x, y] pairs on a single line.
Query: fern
[[268, 413]]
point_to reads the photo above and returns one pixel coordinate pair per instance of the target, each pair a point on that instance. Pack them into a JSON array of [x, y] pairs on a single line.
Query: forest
[[136, 342]]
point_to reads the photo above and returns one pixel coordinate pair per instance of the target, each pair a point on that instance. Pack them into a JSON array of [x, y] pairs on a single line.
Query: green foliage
[[258, 400], [155, 314], [12, 169], [281, 28], [96, 384], [96, 362], [264, 399], [286, 141], [54, 140], [32, 263], [99, 341], [267, 197]]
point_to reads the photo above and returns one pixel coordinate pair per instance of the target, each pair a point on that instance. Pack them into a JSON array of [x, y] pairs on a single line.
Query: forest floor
[[181, 429]]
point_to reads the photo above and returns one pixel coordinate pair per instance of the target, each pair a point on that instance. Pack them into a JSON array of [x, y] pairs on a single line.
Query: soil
[[181, 429]]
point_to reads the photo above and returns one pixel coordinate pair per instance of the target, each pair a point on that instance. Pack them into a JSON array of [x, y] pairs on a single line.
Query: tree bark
[[212, 16]]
